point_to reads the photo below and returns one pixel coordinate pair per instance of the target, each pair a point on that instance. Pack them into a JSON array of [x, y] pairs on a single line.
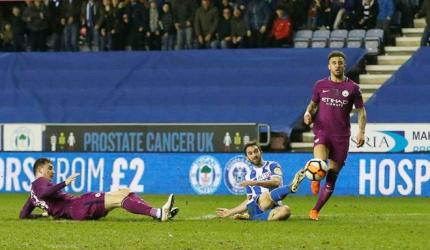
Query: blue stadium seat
[[356, 38], [338, 38], [320, 38], [373, 41], [302, 38]]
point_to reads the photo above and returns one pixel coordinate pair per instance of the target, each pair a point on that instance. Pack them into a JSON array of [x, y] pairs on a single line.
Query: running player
[[329, 110], [89, 206]]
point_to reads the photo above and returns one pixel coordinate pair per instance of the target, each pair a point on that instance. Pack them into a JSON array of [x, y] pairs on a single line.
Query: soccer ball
[[316, 169]]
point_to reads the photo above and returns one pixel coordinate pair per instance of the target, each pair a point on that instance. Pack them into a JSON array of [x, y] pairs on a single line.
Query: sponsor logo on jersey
[[205, 175], [235, 172], [334, 102]]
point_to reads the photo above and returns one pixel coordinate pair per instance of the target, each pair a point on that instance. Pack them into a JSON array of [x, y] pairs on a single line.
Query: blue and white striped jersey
[[264, 173]]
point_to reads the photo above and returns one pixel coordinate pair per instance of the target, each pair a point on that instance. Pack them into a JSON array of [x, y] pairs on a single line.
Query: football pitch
[[345, 223]]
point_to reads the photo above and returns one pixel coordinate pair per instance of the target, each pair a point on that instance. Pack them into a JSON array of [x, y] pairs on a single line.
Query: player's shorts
[[255, 213], [338, 147], [89, 206]]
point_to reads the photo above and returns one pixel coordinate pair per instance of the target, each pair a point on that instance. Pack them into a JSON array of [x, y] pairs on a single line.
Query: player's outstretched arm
[[71, 178], [225, 212], [274, 182], [48, 191], [27, 209]]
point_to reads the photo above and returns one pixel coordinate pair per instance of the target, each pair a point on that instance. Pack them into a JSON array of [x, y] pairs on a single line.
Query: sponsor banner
[[22, 137], [191, 173], [393, 137], [149, 138]]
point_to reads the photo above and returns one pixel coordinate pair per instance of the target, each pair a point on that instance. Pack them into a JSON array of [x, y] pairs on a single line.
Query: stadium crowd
[[111, 25]]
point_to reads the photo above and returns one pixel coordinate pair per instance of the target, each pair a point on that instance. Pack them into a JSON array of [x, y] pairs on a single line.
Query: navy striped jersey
[[264, 173]]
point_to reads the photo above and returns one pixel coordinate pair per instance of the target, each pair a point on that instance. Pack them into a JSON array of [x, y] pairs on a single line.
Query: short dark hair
[[250, 144], [336, 53], [40, 162]]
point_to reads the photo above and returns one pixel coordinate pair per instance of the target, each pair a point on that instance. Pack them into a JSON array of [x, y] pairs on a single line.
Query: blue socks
[[280, 193]]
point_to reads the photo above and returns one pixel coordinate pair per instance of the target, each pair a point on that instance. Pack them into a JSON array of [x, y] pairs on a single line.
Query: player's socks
[[315, 187], [326, 191], [134, 204], [280, 193]]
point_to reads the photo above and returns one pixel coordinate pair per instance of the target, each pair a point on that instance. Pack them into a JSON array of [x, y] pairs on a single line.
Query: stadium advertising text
[[192, 173], [388, 176], [149, 138], [393, 137]]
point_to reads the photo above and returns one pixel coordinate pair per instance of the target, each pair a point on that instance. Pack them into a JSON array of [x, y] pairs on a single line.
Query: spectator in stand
[[55, 29], [153, 34], [425, 11], [313, 14], [120, 26], [205, 24], [258, 17], [367, 14], [347, 16], [92, 19], [225, 4], [238, 29], [296, 11], [107, 26], [386, 11], [6, 38], [406, 8], [167, 28], [69, 19], [327, 14], [18, 29], [137, 19], [282, 29], [36, 17], [183, 11], [223, 34]]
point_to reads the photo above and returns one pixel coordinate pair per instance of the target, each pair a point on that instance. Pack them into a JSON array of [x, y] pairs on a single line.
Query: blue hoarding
[[363, 174]]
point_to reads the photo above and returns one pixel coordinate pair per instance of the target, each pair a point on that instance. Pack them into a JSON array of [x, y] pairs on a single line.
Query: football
[[316, 169]]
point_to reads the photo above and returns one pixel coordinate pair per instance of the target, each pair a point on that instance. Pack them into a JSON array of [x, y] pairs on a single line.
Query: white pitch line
[[213, 216], [366, 215], [203, 217]]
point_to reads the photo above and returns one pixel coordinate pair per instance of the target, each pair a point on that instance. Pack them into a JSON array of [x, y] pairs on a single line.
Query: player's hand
[[359, 139], [247, 183], [223, 212], [71, 178], [307, 118], [244, 216]]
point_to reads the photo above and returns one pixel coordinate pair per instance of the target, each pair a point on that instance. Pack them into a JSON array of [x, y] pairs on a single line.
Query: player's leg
[[327, 190], [265, 201], [134, 204], [268, 200], [321, 152], [280, 213], [337, 157]]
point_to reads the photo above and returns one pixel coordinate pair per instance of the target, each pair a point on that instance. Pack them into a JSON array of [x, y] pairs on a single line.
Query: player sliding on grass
[[90, 206], [332, 102], [264, 190]]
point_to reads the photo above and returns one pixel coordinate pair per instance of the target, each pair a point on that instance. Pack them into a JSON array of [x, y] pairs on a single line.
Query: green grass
[[345, 223]]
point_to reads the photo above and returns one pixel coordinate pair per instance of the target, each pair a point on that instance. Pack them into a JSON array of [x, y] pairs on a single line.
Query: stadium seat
[[373, 41], [320, 38], [338, 38], [355, 38], [302, 38]]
